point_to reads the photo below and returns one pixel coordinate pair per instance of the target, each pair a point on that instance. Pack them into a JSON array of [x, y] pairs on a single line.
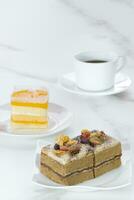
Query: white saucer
[[117, 178], [59, 119], [68, 83]]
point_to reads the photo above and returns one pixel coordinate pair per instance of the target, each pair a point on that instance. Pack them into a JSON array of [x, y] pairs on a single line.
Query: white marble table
[[37, 42]]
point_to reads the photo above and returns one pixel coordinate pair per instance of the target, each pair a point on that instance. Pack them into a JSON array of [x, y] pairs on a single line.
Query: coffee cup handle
[[120, 63]]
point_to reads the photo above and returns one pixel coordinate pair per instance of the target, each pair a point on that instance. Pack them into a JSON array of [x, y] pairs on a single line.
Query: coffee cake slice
[[72, 161]]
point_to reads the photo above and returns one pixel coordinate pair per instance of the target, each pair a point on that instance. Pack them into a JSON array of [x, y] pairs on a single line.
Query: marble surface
[[37, 42]]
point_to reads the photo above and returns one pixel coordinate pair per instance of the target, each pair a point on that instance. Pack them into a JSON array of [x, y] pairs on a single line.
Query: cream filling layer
[[40, 99], [32, 111]]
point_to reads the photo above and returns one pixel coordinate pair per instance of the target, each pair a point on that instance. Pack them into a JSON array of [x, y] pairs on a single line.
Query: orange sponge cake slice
[[29, 108]]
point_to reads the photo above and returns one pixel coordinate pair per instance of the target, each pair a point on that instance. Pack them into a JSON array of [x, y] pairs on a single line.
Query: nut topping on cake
[[97, 138], [65, 144], [93, 137], [85, 133], [103, 135], [74, 149], [84, 137], [64, 148], [62, 139], [93, 141], [59, 152], [56, 146], [71, 142], [96, 134], [84, 140]]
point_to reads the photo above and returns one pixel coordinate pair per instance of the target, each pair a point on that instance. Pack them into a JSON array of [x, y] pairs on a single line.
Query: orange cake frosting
[[29, 107]]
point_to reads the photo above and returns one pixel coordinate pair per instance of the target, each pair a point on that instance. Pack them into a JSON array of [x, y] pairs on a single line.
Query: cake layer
[[72, 179], [33, 111], [29, 104], [71, 166], [30, 97], [28, 119], [31, 93], [107, 166], [75, 165], [80, 175], [29, 125]]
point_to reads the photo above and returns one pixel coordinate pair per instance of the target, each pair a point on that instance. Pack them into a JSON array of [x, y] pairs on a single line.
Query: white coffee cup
[[95, 71]]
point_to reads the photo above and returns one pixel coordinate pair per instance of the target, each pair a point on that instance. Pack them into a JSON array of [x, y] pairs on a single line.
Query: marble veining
[[102, 28], [129, 3], [10, 47]]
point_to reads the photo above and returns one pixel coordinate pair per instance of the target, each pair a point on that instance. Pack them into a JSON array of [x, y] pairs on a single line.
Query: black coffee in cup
[[95, 61]]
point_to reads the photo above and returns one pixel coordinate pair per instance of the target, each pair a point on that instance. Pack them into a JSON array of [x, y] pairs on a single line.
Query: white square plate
[[117, 178]]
